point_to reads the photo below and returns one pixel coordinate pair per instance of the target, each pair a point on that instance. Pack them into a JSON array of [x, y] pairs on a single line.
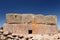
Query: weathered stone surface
[[31, 24], [7, 33], [8, 27], [10, 36], [16, 28], [3, 37], [27, 18], [24, 28], [40, 18], [51, 29], [36, 28], [13, 18], [50, 19], [1, 31]]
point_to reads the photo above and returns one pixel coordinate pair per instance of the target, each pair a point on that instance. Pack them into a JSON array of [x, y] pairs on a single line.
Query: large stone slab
[[51, 29], [27, 18], [13, 18], [16, 28], [50, 19], [40, 18]]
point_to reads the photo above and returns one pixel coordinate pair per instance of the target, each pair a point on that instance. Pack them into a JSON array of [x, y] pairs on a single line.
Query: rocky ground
[[5, 35]]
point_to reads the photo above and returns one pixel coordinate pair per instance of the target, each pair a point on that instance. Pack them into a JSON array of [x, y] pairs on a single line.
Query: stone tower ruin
[[31, 24]]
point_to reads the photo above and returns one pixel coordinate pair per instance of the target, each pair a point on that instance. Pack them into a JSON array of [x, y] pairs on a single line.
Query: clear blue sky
[[45, 7]]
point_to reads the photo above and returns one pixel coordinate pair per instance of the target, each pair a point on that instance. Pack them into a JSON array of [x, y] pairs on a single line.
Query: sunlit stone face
[[31, 23], [14, 18]]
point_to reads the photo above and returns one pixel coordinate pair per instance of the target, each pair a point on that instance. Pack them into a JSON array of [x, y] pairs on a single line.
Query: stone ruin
[[30, 27], [31, 24]]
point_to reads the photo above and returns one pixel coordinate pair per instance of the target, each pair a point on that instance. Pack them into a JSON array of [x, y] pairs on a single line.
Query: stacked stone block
[[13, 19], [27, 18], [40, 19], [38, 24], [50, 19]]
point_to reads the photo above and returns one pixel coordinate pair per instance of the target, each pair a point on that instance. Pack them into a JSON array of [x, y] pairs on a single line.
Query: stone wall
[[29, 18], [38, 24]]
